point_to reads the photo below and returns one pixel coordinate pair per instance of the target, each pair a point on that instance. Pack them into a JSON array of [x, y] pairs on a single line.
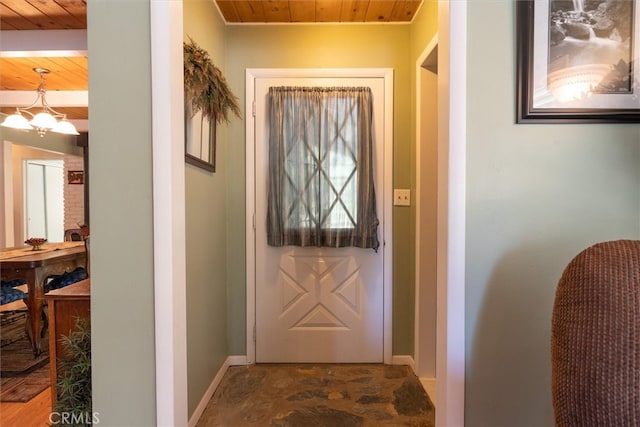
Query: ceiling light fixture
[[47, 119]]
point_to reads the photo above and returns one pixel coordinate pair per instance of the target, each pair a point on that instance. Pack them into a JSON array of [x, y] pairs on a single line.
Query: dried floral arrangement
[[205, 87]]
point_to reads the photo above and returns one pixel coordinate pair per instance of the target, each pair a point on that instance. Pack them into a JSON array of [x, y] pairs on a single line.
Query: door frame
[[387, 188], [427, 58]]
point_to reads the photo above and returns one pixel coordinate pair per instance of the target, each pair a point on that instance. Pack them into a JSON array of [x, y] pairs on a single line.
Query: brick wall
[[73, 194]]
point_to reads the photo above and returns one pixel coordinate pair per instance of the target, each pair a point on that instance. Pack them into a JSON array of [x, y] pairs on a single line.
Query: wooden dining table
[[35, 266]]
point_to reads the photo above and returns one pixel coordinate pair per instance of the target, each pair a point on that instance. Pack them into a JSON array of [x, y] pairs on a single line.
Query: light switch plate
[[401, 197]]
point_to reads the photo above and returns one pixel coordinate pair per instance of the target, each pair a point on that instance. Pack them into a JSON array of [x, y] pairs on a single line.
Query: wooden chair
[[87, 248], [73, 235], [65, 279], [9, 293]]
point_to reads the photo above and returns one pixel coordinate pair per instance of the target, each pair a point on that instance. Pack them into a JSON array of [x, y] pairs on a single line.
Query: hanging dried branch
[[205, 87]]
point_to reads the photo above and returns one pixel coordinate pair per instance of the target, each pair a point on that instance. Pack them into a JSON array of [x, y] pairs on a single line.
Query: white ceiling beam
[[43, 43], [55, 98]]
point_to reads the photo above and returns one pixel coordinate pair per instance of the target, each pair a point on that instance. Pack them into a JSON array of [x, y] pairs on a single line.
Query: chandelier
[[47, 119]]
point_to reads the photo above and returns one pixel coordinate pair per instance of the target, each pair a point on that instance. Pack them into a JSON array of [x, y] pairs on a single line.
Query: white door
[[44, 197], [317, 305]]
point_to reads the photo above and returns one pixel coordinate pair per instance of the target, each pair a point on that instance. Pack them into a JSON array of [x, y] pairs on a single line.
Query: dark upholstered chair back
[[73, 235], [595, 338]]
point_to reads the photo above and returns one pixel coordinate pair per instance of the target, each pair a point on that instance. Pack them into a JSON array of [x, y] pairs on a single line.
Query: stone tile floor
[[319, 396]]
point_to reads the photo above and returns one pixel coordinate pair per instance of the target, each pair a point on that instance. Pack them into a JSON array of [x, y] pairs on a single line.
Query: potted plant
[[73, 385]]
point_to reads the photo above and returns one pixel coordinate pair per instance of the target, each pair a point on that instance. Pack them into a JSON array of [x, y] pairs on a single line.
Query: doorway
[[374, 335], [44, 199], [426, 211]]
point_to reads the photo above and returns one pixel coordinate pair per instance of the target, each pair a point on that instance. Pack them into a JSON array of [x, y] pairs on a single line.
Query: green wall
[[122, 299], [323, 46], [537, 194], [423, 27], [206, 229]]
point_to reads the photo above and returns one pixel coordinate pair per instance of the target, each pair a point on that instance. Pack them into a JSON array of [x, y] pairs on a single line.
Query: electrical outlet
[[401, 197]]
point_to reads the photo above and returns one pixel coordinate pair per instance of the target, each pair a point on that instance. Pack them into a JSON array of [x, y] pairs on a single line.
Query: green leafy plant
[[73, 385], [205, 87]]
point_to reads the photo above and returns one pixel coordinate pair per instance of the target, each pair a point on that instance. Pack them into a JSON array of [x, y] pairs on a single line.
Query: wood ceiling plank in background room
[[55, 79], [404, 10], [7, 110], [58, 16], [76, 8], [74, 113], [34, 15], [13, 76], [73, 73], [10, 19], [250, 11], [276, 11], [328, 10], [17, 74], [302, 11], [68, 73], [354, 10], [228, 10], [379, 11]]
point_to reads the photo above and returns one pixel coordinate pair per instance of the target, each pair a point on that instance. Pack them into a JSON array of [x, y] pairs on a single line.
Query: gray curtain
[[321, 189]]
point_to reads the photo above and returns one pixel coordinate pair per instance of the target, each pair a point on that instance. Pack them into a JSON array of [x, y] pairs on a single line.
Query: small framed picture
[[75, 177]]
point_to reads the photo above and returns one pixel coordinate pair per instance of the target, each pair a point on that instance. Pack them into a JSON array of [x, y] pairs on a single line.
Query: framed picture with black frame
[[577, 61]]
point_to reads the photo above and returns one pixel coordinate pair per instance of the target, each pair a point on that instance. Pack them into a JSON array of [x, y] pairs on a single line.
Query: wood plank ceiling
[[70, 72], [292, 11], [67, 73]]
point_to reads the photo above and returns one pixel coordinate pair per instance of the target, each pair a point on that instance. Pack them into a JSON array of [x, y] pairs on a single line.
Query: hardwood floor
[[34, 413]]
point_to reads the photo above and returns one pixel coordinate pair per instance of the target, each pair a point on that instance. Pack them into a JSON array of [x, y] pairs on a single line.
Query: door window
[[321, 187]]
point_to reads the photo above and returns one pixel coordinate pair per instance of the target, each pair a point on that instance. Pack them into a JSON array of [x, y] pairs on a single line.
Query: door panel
[[44, 195], [317, 305]]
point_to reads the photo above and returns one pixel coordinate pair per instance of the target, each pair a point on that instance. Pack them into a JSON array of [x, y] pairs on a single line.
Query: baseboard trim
[[404, 360], [238, 360], [429, 385], [229, 361], [209, 393]]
